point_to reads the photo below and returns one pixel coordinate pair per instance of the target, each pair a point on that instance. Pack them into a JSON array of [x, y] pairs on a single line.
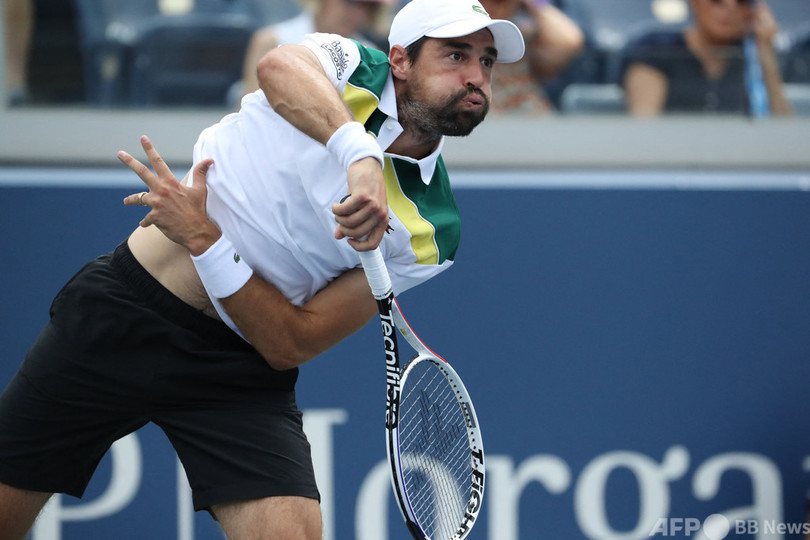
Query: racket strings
[[434, 451]]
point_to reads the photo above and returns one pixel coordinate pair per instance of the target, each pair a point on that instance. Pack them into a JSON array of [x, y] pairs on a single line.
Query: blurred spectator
[[553, 40], [702, 67], [365, 20], [18, 30]]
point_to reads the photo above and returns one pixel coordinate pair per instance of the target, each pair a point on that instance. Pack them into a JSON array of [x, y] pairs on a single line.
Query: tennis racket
[[433, 440]]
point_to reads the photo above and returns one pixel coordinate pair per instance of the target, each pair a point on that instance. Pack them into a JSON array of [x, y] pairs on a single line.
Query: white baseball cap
[[454, 18]]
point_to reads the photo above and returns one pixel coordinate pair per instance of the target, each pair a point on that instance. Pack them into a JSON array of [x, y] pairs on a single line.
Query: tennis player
[[199, 325]]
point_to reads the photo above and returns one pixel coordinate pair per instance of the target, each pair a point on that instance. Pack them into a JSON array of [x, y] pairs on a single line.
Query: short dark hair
[[415, 48]]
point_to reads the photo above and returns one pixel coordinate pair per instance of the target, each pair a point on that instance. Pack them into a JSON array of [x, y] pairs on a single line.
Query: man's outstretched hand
[[176, 209]]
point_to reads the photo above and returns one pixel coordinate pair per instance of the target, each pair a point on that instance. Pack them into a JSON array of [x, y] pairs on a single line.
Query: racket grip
[[376, 273]]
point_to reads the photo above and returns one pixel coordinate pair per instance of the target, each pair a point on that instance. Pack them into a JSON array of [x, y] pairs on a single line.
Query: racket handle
[[376, 273]]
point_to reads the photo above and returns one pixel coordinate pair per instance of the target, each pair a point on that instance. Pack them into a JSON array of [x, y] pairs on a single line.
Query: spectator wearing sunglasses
[[701, 68]]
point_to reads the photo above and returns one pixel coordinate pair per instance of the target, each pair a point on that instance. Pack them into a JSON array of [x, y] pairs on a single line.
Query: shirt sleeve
[[657, 50], [338, 55], [404, 277]]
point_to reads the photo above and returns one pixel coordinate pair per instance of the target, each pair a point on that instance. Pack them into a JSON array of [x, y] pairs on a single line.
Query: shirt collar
[[388, 105]]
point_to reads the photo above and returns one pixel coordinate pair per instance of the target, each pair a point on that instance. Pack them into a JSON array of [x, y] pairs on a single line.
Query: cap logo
[[480, 10]]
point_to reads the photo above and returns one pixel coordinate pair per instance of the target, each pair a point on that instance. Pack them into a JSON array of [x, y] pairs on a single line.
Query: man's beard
[[446, 118]]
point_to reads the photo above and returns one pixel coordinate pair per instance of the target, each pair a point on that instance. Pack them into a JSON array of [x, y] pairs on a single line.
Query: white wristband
[[221, 269], [352, 142]]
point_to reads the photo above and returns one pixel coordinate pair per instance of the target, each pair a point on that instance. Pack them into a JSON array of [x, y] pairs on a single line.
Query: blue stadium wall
[[639, 358]]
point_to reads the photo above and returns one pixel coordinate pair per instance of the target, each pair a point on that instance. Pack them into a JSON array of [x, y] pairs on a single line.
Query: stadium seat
[[591, 99], [110, 28], [107, 29], [793, 17], [189, 60], [797, 63]]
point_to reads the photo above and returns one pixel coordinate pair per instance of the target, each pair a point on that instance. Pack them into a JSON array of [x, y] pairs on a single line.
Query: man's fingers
[[147, 220], [200, 171], [138, 168], [361, 231], [364, 234], [136, 199], [369, 242], [356, 225], [354, 212], [160, 166], [347, 205], [360, 223]]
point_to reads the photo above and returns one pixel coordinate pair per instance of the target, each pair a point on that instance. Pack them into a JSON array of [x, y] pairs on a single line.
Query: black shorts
[[120, 351]]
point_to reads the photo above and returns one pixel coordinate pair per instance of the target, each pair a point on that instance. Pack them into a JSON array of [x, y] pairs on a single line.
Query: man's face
[[448, 87], [723, 21]]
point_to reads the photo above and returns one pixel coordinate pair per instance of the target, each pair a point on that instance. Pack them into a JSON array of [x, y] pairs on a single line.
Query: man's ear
[[400, 63]]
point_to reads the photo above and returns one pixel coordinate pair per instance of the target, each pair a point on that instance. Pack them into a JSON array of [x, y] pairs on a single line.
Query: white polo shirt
[[272, 187]]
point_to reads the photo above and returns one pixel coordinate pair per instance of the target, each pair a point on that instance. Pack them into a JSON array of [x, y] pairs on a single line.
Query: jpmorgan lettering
[[675, 483]]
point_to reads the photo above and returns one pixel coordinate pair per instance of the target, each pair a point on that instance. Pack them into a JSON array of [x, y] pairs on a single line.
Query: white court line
[[635, 179], [680, 179], [67, 177]]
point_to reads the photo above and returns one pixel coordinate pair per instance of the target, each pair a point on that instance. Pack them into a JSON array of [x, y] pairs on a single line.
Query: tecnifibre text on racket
[[433, 439]]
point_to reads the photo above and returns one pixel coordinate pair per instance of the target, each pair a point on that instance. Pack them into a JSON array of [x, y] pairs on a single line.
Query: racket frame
[[392, 321]]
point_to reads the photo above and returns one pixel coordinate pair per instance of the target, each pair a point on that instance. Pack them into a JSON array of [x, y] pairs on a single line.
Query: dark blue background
[[583, 321]]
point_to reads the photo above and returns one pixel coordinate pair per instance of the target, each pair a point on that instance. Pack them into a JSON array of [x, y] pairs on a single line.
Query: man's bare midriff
[[170, 264]]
